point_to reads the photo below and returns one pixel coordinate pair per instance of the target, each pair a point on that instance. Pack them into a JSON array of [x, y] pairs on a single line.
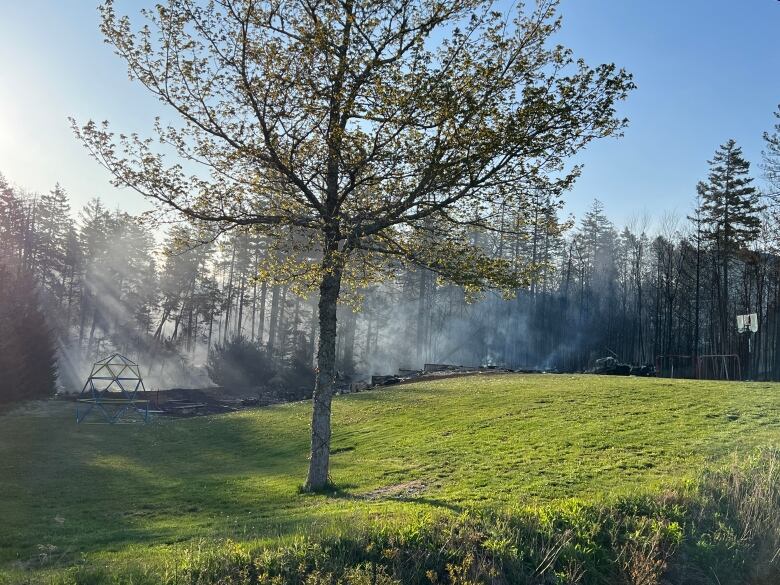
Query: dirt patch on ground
[[408, 489], [203, 401], [427, 377], [186, 402]]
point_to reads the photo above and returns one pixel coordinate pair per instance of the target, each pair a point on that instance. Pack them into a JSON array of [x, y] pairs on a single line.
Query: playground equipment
[[676, 366], [720, 367], [703, 367], [112, 391]]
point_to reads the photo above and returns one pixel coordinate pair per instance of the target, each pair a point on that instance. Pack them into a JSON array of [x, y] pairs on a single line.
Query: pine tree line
[[27, 351], [642, 295]]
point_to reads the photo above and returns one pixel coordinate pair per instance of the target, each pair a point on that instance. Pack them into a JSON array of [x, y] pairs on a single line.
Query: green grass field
[[434, 447]]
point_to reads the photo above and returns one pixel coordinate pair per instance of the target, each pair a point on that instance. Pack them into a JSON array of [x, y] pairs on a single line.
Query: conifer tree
[[771, 155], [730, 215], [11, 223], [27, 351], [53, 224]]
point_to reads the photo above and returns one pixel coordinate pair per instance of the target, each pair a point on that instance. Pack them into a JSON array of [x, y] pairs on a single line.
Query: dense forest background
[[97, 280]]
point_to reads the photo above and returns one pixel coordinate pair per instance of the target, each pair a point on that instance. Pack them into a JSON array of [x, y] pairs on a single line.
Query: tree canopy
[[370, 128]]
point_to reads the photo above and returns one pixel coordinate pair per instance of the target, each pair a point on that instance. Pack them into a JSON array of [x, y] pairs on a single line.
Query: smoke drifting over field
[[106, 285], [518, 333]]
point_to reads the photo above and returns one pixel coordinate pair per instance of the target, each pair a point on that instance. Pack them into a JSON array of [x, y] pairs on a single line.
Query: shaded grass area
[[508, 442], [723, 530]]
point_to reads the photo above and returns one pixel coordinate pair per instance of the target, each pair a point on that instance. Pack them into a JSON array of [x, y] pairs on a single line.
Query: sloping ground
[[498, 441]]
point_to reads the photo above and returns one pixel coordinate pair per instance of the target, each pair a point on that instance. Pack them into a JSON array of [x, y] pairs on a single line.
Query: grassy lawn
[[431, 447]]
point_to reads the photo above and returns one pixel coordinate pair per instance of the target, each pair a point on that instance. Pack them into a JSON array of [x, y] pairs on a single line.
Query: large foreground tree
[[354, 130]]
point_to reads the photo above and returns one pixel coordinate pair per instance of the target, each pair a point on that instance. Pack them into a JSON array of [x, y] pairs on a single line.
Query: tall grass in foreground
[[724, 529]]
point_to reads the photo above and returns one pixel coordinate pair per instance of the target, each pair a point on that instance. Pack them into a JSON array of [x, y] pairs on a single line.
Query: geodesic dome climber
[[112, 391]]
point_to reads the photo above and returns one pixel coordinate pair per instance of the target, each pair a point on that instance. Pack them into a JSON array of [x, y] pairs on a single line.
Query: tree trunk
[[261, 318], [274, 320], [421, 317], [163, 321], [229, 294], [318, 477], [211, 329], [312, 334], [281, 326], [95, 317], [240, 324], [254, 309], [349, 341], [83, 315]]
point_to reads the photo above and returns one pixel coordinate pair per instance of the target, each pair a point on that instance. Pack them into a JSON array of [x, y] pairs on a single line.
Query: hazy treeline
[[27, 349], [105, 284], [668, 286]]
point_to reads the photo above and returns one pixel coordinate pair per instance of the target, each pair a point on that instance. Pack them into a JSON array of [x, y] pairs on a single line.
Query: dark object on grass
[[646, 371], [384, 380], [438, 367], [184, 407], [611, 367]]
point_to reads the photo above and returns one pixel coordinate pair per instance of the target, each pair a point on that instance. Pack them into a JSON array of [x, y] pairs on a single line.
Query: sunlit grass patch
[[401, 456]]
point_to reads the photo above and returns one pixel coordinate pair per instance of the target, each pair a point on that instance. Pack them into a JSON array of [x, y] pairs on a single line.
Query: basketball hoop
[[747, 323]]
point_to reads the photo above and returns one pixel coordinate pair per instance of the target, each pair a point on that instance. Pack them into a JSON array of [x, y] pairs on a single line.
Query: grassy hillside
[[503, 441]]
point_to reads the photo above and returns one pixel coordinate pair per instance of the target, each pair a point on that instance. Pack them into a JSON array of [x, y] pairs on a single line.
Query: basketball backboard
[[747, 323]]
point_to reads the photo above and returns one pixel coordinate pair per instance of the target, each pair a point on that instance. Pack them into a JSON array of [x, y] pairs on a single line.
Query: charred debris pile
[[345, 385], [610, 366], [187, 402]]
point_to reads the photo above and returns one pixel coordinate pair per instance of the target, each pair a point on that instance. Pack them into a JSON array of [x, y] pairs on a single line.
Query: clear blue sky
[[706, 70]]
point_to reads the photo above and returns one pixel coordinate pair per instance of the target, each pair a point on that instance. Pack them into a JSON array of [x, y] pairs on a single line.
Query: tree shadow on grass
[[105, 488]]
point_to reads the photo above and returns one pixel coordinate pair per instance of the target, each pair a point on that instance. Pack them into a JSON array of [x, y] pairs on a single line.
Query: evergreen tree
[[94, 230], [771, 166], [597, 235], [730, 212], [27, 351], [11, 223], [53, 225]]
